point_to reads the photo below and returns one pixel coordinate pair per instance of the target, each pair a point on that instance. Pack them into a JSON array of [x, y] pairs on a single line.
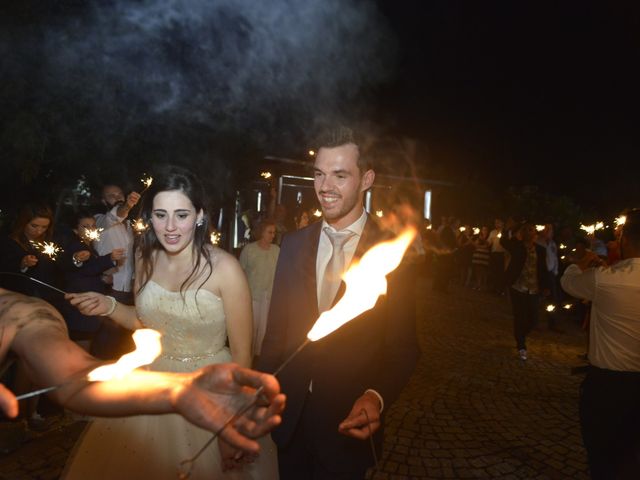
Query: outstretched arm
[[207, 397]]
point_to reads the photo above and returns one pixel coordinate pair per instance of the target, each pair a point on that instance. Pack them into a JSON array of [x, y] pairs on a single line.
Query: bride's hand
[[89, 303]]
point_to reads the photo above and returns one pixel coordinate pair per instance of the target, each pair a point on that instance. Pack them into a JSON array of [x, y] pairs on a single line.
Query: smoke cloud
[[252, 66]]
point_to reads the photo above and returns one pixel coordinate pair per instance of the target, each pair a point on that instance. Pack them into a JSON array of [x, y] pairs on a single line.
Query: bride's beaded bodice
[[192, 324]]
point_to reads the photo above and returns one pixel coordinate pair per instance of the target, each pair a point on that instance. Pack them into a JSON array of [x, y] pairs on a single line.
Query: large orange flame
[[148, 348], [366, 281]]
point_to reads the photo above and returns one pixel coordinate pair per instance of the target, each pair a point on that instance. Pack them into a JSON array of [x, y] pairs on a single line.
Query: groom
[[338, 387]]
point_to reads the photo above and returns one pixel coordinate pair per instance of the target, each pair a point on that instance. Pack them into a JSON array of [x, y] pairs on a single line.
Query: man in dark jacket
[[527, 279]]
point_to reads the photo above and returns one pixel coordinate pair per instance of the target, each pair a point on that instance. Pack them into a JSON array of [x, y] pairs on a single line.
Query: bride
[[195, 295]]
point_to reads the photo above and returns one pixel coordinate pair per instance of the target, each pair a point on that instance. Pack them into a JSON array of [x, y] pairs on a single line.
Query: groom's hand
[[216, 393], [364, 418]]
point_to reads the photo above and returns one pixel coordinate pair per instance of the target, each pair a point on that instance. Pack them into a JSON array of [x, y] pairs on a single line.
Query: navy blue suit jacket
[[376, 350]]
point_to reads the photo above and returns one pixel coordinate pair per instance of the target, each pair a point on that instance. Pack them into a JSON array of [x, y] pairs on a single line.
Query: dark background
[[528, 103]]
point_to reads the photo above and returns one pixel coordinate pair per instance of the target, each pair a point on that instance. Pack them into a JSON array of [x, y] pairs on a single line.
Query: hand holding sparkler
[[28, 261]]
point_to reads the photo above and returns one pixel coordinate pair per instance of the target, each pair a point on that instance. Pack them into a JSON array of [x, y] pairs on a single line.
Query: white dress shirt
[[116, 234], [614, 328]]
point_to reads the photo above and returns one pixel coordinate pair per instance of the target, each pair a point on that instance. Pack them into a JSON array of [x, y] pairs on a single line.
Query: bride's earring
[[199, 223]]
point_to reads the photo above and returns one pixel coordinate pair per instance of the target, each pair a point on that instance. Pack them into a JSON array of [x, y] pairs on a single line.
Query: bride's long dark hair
[[167, 179]]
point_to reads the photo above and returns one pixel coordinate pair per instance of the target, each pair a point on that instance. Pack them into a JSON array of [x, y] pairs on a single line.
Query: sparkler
[[365, 282], [621, 220], [34, 280], [146, 181], [550, 308], [567, 306], [47, 248], [317, 213], [476, 231], [92, 234], [591, 229], [462, 229], [265, 175], [148, 348], [215, 237], [379, 213], [539, 228], [139, 226]]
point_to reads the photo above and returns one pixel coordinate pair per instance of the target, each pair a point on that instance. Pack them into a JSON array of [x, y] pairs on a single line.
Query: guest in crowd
[[22, 259], [480, 259], [19, 255], [545, 240], [526, 277], [445, 258], [610, 393], [497, 260], [302, 219], [258, 260], [117, 234], [82, 269], [463, 254]]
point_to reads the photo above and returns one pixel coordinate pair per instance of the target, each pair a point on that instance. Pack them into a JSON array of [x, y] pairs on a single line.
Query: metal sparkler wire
[[34, 280], [373, 447], [186, 466]]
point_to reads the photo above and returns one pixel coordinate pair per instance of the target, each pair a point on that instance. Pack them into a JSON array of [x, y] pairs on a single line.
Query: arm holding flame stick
[[206, 397]]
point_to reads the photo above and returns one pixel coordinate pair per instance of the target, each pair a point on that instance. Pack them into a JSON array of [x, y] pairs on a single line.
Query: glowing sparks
[[567, 306], [139, 226], [476, 231], [317, 213], [47, 248], [148, 347], [462, 229], [379, 213], [92, 234], [146, 181], [365, 281], [500, 235], [591, 229], [429, 227], [539, 228], [215, 237], [265, 175], [562, 246], [550, 308], [621, 220], [312, 153]]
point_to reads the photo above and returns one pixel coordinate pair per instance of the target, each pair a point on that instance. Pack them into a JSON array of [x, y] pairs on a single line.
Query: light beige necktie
[[335, 268]]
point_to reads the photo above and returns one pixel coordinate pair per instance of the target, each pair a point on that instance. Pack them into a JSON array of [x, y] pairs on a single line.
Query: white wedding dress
[[150, 447]]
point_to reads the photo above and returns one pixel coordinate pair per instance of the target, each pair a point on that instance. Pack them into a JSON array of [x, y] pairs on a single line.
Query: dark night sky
[[498, 93], [539, 93]]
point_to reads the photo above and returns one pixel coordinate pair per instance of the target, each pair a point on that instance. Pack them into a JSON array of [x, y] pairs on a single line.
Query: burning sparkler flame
[[550, 308], [379, 213], [265, 175], [148, 348], [476, 231], [366, 281], [317, 213], [539, 228], [591, 229], [621, 220], [139, 226], [92, 234], [146, 181], [215, 237], [47, 248]]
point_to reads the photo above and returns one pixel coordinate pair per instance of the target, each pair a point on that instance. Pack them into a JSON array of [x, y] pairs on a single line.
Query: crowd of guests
[[214, 308]]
